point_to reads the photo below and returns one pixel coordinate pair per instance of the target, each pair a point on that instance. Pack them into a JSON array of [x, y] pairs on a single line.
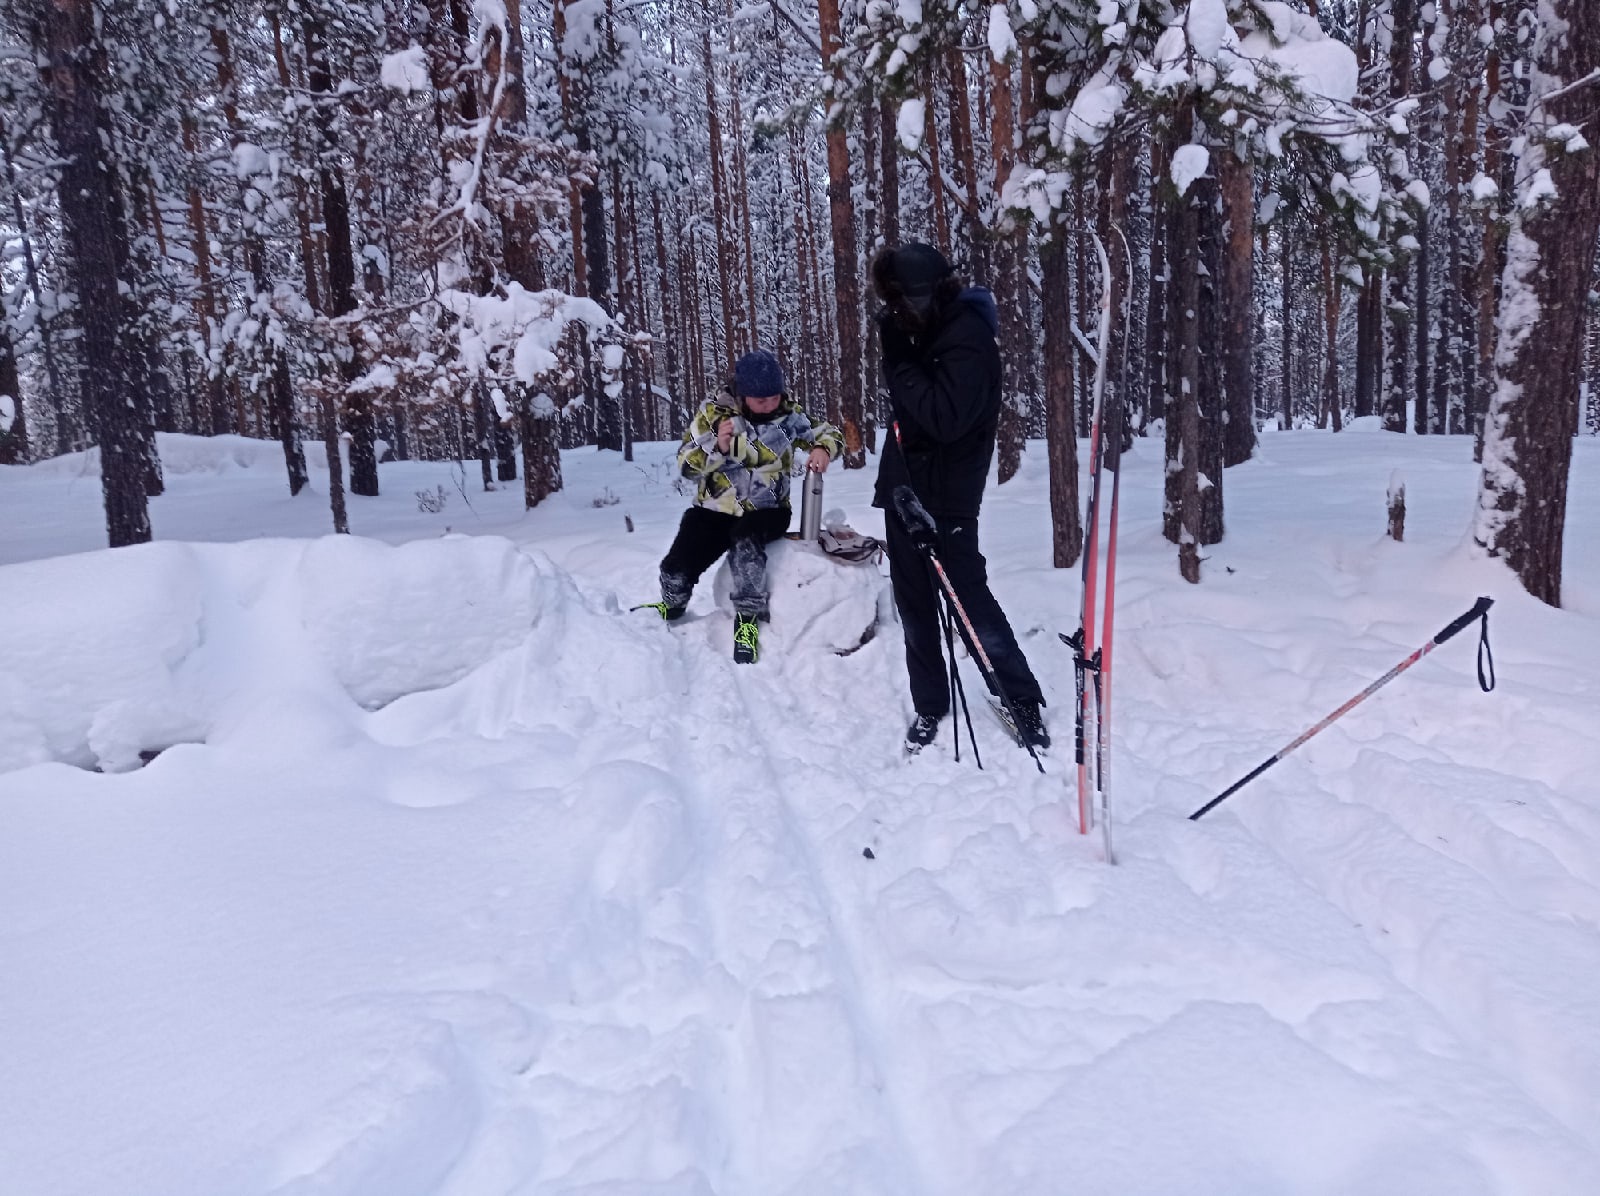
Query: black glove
[[919, 524], [897, 346]]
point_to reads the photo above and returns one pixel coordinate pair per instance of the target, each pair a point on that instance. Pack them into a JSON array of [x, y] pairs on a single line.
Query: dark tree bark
[[1066, 527], [280, 387], [13, 427], [846, 291], [1329, 406], [1236, 281], [889, 172], [670, 311], [341, 262], [1422, 327], [1286, 354], [1369, 345], [1211, 405], [965, 155], [731, 337], [1186, 218], [1396, 383], [52, 369], [1533, 415], [1155, 320], [1007, 279], [72, 73]]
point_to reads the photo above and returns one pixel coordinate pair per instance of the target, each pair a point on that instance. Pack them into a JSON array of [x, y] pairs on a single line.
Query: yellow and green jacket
[[754, 474]]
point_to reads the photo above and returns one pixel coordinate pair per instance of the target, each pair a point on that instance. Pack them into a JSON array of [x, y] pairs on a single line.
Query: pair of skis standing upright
[[1091, 643]]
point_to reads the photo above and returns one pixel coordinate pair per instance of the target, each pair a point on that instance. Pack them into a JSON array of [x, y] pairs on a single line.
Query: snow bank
[[203, 639], [200, 634], [184, 454]]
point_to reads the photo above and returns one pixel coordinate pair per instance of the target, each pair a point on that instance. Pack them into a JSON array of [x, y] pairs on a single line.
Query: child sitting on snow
[[740, 451]]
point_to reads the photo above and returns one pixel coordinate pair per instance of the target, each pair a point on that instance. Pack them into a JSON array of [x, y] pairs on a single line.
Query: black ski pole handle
[[1480, 610]]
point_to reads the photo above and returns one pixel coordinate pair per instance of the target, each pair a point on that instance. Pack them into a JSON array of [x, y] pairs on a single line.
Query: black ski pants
[[916, 596], [704, 535]]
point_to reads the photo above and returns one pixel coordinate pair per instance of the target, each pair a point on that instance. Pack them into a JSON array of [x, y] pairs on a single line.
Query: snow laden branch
[[492, 14], [517, 334]]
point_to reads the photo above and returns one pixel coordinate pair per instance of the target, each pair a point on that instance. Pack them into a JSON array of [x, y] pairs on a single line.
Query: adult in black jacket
[[942, 366]]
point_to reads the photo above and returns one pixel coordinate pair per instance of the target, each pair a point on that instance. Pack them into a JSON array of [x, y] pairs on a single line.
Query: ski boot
[[922, 731], [1030, 728], [746, 639]]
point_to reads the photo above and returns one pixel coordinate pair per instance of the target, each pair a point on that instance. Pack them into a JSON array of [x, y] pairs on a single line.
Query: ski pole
[[924, 533], [1480, 610]]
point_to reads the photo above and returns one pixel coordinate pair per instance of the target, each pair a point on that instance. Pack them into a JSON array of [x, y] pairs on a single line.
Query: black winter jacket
[[944, 390]]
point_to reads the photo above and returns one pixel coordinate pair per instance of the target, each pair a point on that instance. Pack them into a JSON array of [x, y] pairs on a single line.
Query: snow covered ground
[[456, 878]]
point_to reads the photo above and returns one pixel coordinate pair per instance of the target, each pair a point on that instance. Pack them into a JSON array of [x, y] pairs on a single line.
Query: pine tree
[[72, 66], [1550, 260]]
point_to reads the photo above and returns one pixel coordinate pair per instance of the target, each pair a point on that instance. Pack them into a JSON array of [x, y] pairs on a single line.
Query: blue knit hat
[[757, 374]]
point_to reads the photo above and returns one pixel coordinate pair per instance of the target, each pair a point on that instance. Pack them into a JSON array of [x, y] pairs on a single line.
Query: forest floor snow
[[455, 877]]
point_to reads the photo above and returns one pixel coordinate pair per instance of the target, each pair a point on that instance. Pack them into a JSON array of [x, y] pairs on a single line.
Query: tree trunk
[[930, 141], [1369, 344], [847, 294], [741, 197], [670, 311], [71, 65], [1007, 277], [965, 156], [308, 253], [1182, 515], [280, 386], [1237, 292], [1396, 279], [52, 369], [1491, 256], [1533, 415], [889, 174], [1155, 318], [1449, 376], [1329, 407], [1286, 329], [1211, 402], [13, 420], [1066, 528], [341, 262], [733, 340]]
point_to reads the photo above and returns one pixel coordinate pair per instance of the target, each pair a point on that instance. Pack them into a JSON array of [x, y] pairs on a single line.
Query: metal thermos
[[811, 506]]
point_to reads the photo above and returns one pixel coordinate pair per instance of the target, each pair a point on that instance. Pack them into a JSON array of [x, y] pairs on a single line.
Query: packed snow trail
[[462, 880]]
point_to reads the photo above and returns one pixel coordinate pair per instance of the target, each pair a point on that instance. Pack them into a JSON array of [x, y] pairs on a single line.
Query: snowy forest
[[490, 230]]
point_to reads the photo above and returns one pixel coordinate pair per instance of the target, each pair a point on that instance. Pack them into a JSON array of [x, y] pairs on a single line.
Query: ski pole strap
[[1480, 612], [1485, 656]]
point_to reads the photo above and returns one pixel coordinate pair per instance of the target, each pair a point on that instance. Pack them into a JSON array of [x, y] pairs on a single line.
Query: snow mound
[[202, 634], [184, 454]]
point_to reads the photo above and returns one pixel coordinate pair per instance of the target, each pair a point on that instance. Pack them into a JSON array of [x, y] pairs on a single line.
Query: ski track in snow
[[585, 908]]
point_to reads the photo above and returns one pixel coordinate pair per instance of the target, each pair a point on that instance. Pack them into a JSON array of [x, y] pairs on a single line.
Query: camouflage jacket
[[754, 474]]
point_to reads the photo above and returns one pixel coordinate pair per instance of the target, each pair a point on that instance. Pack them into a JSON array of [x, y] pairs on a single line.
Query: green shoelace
[[748, 634]]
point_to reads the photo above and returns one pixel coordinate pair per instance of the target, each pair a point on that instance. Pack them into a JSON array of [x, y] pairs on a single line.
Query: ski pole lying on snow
[[1480, 610], [924, 534]]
